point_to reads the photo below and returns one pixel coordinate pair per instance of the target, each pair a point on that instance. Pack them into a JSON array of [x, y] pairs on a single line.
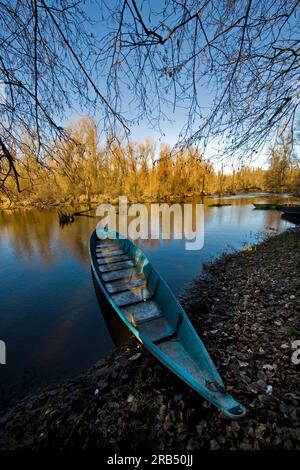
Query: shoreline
[[142, 199], [245, 307]]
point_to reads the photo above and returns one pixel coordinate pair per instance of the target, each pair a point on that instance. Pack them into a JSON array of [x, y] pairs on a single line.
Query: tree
[[280, 161], [46, 67], [78, 159], [245, 52]]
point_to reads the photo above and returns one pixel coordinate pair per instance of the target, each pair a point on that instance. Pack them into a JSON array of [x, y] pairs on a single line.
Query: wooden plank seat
[[105, 251], [112, 259], [107, 244], [120, 286], [111, 254], [143, 312], [131, 297], [129, 273], [155, 328], [103, 268]]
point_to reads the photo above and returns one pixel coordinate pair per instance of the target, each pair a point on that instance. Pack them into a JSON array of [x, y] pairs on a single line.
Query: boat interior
[[132, 285]]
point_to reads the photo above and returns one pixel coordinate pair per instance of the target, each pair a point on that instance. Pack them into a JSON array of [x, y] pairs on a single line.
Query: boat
[[290, 209], [265, 206], [135, 291], [219, 205], [295, 219]]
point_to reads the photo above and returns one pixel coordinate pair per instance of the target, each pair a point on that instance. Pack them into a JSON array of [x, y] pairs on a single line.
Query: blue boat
[[142, 299]]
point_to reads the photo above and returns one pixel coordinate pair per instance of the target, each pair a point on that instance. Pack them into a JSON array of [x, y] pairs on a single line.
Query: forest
[[80, 170]]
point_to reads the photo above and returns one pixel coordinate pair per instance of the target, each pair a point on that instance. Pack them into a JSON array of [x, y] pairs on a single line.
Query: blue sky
[[172, 126]]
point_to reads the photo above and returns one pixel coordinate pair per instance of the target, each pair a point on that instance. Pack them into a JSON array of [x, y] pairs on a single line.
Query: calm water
[[50, 318]]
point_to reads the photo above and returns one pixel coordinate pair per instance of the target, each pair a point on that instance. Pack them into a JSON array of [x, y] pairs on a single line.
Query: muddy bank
[[246, 308]]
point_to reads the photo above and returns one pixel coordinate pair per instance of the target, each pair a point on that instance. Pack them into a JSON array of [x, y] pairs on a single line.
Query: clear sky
[[171, 127]]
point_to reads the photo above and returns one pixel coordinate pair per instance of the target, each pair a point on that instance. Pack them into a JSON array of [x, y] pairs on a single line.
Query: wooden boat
[[219, 205], [265, 206], [290, 209], [137, 293]]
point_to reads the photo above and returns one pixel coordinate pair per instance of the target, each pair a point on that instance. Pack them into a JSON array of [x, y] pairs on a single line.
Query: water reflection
[[35, 235], [118, 331], [49, 314]]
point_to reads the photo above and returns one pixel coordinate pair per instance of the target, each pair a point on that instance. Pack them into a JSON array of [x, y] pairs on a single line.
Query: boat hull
[[291, 210], [168, 335], [266, 206], [295, 219]]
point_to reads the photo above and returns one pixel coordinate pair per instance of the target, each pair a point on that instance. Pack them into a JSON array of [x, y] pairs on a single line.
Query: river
[[50, 319]]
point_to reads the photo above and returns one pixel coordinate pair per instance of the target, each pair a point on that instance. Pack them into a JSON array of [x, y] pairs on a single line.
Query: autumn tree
[[47, 52], [280, 164]]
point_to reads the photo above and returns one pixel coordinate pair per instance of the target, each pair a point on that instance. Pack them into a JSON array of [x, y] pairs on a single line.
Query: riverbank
[[105, 198], [94, 202], [246, 308]]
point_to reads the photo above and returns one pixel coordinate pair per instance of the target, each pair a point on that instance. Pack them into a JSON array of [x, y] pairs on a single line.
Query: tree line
[[80, 170]]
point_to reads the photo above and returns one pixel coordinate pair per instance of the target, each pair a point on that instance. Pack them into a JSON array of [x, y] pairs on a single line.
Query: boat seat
[[103, 268], [154, 327], [111, 260], [111, 254], [121, 286], [131, 297], [106, 245], [129, 273], [169, 336], [107, 249], [143, 311]]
